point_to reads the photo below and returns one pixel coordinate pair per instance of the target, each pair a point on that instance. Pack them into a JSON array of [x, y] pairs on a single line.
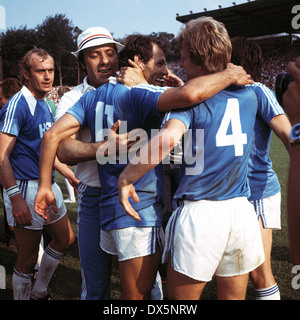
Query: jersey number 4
[[236, 138]]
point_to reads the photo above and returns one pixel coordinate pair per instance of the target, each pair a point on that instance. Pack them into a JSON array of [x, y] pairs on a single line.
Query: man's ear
[[26, 75], [137, 59]]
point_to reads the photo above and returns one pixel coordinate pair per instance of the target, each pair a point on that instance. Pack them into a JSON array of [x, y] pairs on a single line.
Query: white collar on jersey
[[113, 80], [87, 87], [31, 100]]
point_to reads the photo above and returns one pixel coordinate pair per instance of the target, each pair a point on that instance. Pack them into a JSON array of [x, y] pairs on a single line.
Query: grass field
[[66, 282]]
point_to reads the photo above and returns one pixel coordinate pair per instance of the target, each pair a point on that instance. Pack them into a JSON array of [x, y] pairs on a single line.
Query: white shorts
[[214, 237], [132, 242], [269, 209], [29, 190]]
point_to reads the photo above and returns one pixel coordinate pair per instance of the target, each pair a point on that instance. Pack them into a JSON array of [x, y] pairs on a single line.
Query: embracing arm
[[149, 157], [64, 127], [201, 88], [73, 151]]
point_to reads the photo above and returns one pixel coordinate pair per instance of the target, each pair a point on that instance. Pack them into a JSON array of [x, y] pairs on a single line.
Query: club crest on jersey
[[43, 127]]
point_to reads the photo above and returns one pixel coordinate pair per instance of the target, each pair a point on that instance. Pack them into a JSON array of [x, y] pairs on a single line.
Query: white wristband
[[12, 191]]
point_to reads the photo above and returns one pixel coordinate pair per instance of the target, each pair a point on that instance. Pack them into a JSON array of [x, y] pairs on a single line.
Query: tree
[[173, 51], [14, 44], [58, 36]]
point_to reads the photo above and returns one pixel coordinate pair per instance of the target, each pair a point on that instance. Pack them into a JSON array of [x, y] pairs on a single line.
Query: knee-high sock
[[48, 266], [271, 293], [21, 285]]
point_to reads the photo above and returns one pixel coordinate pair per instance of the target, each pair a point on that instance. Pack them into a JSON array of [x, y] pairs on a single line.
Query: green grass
[[66, 282]]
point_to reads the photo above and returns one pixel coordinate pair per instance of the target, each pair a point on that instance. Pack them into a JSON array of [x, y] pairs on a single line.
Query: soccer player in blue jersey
[[138, 107], [214, 230], [24, 121], [264, 185]]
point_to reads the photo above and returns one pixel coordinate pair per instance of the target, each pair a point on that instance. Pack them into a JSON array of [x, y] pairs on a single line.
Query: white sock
[[70, 190], [21, 285], [41, 253], [271, 293], [47, 268]]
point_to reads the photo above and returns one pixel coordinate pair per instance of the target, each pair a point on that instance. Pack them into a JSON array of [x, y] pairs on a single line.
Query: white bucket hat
[[95, 36]]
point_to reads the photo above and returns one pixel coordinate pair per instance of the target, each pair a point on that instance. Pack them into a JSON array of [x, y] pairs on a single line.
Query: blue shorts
[[95, 263]]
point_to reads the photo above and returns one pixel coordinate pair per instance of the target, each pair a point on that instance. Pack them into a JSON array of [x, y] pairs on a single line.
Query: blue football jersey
[[28, 119], [137, 108], [262, 178], [217, 145]]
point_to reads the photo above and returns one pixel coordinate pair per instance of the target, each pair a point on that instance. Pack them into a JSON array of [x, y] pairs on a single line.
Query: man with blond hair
[[214, 230]]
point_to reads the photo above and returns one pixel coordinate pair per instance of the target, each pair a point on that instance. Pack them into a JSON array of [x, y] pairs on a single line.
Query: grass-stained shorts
[[204, 238]]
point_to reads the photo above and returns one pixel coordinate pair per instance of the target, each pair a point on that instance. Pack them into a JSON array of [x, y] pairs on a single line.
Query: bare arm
[[73, 151], [291, 102], [282, 127], [291, 98], [67, 172], [166, 139], [194, 91], [201, 88], [63, 128], [66, 126], [293, 204], [20, 210]]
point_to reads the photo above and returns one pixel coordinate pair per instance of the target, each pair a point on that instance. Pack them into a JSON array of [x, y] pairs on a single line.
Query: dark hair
[[62, 90], [140, 45], [247, 53], [10, 86]]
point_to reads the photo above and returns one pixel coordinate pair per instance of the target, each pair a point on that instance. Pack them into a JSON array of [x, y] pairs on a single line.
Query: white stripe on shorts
[[269, 209]]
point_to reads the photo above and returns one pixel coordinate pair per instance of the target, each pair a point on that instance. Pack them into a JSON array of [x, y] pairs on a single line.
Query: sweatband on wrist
[[12, 191]]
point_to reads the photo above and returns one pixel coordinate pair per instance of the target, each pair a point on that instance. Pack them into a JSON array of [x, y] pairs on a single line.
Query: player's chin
[[46, 88]]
